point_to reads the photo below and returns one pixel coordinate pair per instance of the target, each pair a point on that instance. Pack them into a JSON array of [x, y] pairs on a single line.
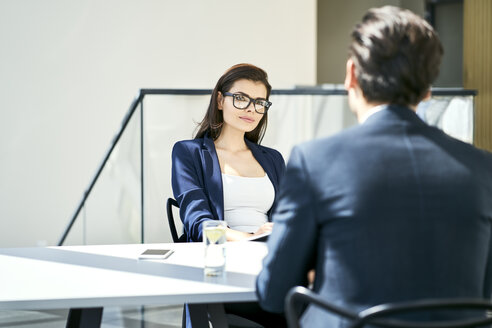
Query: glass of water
[[214, 239]]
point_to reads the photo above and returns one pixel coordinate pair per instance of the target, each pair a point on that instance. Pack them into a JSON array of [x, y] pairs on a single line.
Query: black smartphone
[[156, 254]]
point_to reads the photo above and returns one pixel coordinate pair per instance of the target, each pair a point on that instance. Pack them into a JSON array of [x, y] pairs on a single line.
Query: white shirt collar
[[370, 112]]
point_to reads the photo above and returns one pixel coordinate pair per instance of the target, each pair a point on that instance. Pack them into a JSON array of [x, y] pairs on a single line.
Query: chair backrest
[[383, 315], [170, 218], [299, 295]]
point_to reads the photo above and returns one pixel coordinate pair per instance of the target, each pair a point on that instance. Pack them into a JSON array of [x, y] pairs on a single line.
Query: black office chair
[[379, 316], [170, 218]]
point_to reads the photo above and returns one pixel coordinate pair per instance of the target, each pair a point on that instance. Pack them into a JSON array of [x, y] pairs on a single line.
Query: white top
[[247, 201]]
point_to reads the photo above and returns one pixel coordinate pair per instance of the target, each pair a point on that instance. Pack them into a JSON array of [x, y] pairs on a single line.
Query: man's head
[[394, 57]]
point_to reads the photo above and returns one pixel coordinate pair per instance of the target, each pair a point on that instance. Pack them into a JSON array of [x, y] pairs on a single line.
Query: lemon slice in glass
[[214, 233]]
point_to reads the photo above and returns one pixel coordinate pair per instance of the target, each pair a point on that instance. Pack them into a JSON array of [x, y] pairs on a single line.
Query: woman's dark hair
[[396, 55], [213, 121]]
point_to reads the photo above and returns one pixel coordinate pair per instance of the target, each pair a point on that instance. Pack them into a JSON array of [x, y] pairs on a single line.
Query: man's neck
[[366, 109], [363, 116]]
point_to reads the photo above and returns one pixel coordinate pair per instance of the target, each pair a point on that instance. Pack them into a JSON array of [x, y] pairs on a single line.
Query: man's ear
[[220, 100], [350, 79]]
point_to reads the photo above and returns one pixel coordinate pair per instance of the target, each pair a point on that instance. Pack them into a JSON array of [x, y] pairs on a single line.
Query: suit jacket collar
[[394, 113]]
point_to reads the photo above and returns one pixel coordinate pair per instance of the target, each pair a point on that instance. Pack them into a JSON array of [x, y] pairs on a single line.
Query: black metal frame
[[379, 316], [170, 218], [199, 92], [301, 294], [124, 123], [84, 318]]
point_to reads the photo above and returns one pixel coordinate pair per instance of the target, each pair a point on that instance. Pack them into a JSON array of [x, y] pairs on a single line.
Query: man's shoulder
[[482, 155], [334, 141], [461, 146]]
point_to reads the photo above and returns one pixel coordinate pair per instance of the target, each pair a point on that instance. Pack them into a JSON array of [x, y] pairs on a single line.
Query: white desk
[[111, 275]]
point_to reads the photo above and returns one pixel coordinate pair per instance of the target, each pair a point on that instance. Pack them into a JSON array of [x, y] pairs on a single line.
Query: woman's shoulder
[[187, 146]]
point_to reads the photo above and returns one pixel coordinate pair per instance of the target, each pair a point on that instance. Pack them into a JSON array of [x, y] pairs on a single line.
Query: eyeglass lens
[[242, 102]]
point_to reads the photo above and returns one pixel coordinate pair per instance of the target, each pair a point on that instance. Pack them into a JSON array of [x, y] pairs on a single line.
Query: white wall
[[336, 20], [69, 70]]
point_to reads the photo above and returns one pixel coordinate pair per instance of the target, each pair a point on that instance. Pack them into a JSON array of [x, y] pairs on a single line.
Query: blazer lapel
[[266, 163], [213, 177]]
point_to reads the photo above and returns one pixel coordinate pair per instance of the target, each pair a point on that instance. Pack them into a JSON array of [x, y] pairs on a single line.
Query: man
[[389, 210]]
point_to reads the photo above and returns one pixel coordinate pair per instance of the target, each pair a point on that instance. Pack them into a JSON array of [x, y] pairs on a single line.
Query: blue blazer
[[197, 181], [390, 210]]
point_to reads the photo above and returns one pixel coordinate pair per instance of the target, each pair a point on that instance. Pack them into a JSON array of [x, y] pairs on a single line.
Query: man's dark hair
[[396, 55]]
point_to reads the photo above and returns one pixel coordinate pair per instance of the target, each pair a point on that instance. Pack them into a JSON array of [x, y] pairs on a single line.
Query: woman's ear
[[220, 100]]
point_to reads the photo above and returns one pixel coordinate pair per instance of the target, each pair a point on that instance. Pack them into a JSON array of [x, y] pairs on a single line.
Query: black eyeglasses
[[241, 101]]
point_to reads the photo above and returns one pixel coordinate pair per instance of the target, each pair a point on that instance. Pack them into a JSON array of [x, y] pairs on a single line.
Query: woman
[[223, 173]]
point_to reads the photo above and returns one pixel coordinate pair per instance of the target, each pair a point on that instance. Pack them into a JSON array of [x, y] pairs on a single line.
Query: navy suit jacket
[[197, 180], [389, 210]]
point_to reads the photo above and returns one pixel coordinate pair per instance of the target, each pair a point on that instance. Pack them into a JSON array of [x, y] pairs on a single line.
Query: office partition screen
[[113, 211]]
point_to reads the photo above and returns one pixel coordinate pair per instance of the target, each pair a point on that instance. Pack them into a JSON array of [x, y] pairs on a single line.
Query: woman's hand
[[235, 235], [267, 227], [311, 275]]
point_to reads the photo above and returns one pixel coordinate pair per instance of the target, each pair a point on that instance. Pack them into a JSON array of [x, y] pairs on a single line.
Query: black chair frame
[[172, 225], [376, 315]]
